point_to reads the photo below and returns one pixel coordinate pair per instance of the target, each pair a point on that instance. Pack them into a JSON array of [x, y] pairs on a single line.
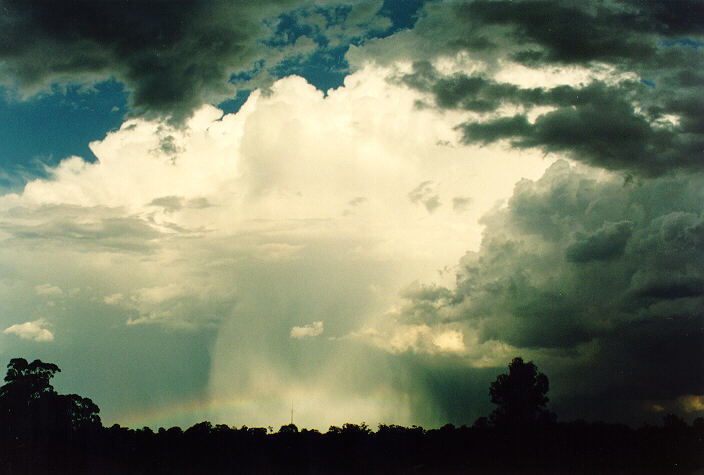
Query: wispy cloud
[[309, 330], [48, 290]]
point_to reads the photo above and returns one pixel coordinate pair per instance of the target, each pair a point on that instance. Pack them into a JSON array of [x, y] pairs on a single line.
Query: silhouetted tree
[[24, 397], [30, 408], [26, 382], [289, 429], [520, 396], [78, 412]]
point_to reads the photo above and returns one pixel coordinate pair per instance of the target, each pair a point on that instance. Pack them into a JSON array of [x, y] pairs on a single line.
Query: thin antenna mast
[[291, 412]]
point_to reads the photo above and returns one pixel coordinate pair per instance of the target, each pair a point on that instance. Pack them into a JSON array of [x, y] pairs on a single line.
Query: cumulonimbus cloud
[[581, 267], [297, 208], [251, 224]]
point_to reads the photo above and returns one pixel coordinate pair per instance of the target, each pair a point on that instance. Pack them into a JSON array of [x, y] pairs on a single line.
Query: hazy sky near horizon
[[218, 210]]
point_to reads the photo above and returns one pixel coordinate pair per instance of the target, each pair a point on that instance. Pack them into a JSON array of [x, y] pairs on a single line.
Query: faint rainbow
[[196, 407]]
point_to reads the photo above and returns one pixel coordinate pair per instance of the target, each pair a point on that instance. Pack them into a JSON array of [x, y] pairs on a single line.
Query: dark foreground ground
[[575, 447]]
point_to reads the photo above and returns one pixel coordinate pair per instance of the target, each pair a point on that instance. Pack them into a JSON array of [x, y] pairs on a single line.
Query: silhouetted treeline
[[523, 437]]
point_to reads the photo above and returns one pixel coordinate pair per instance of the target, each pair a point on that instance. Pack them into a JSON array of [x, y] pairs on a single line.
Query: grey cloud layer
[[653, 48], [603, 127], [88, 228]]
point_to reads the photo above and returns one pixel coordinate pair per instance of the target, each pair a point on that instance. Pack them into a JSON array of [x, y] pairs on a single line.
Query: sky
[[361, 211]]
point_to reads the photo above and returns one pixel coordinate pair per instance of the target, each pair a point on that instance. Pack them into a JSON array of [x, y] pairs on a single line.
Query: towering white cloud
[[298, 208]]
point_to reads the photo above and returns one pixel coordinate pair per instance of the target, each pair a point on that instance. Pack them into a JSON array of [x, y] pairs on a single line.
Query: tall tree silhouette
[[24, 395], [27, 381], [520, 396], [31, 408]]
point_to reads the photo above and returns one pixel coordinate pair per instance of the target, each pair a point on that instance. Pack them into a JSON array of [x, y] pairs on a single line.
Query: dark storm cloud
[[607, 242], [576, 262], [173, 56], [584, 31], [607, 134], [169, 53], [625, 33], [619, 127], [459, 91], [563, 32], [648, 119]]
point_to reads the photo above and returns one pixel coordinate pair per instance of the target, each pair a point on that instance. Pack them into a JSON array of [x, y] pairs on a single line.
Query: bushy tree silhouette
[[26, 382], [31, 411], [289, 429], [520, 396], [24, 397]]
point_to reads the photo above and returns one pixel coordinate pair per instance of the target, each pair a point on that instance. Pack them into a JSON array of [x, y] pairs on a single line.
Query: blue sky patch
[[43, 130]]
